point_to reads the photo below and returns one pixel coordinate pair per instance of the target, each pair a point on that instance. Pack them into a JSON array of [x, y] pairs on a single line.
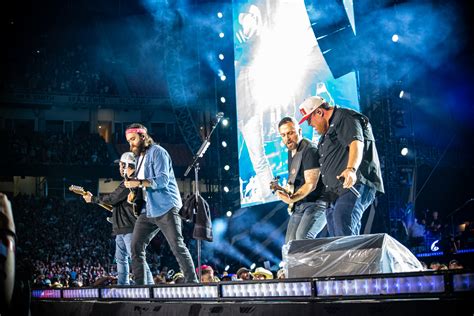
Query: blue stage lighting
[[267, 289], [463, 282], [80, 293], [129, 292], [180, 292], [381, 286], [46, 294]]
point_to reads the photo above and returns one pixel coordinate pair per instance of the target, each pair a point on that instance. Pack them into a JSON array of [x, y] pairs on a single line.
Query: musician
[[123, 201], [308, 217], [350, 166], [155, 176]]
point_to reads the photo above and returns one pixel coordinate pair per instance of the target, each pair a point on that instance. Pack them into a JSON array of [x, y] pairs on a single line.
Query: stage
[[415, 293]]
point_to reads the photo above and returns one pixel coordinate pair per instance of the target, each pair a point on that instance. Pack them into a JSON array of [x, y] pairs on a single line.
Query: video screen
[[278, 64]]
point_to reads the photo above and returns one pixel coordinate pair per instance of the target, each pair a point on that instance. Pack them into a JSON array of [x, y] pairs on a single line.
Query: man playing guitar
[[308, 216]]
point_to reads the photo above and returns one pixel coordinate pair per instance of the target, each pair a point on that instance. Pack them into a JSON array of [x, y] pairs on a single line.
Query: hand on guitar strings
[[285, 197], [132, 184]]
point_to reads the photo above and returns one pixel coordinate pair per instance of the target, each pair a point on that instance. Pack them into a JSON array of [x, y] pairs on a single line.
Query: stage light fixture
[[129, 292], [222, 99], [223, 78], [227, 267], [381, 286], [225, 122], [395, 38], [404, 151], [220, 15], [221, 34], [267, 289], [221, 56], [252, 266], [228, 213], [226, 167], [226, 189], [46, 294], [401, 94], [180, 292], [80, 293], [224, 144], [463, 282]]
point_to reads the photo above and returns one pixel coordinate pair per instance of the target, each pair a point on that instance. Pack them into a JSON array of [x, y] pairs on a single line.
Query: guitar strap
[[296, 162]]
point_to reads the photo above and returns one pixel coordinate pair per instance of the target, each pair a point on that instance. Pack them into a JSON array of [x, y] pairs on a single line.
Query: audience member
[[262, 274]]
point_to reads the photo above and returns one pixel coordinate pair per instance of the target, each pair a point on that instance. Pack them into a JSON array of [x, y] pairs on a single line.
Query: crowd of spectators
[[54, 148], [62, 242], [68, 243], [62, 70], [431, 233]]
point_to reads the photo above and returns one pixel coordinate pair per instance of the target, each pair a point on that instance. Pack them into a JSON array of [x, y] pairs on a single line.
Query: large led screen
[[278, 64]]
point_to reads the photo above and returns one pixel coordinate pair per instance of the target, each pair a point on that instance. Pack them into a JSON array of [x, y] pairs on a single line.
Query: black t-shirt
[[346, 126], [308, 161]]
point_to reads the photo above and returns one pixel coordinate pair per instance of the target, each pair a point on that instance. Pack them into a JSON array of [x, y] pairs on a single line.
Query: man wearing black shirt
[[123, 217], [349, 163], [308, 216]]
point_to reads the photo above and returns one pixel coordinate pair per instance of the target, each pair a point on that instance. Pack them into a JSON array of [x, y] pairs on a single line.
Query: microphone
[[352, 189]]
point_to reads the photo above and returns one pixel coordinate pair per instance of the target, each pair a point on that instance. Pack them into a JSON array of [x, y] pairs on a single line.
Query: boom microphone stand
[[195, 164]]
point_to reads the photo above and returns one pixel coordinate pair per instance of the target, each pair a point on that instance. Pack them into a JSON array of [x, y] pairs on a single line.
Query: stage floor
[[398, 294], [389, 307]]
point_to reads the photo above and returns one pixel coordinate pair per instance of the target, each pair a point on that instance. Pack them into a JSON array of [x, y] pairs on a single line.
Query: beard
[[291, 146], [138, 149]]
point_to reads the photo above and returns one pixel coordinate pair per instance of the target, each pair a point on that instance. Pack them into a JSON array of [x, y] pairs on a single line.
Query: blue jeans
[[307, 221], [145, 229], [122, 257], [345, 214]]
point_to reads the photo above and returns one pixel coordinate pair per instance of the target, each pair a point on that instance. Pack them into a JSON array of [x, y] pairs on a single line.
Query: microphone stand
[[195, 164]]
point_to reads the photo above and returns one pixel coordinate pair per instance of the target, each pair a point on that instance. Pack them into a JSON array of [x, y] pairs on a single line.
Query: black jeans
[[145, 229]]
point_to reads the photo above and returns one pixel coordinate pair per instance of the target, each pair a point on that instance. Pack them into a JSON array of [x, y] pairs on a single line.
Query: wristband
[[351, 168]]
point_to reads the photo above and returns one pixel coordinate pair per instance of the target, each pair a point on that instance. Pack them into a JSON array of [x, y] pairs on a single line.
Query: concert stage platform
[[415, 293]]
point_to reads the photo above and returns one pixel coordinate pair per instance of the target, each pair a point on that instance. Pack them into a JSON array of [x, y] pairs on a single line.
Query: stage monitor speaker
[[348, 255]]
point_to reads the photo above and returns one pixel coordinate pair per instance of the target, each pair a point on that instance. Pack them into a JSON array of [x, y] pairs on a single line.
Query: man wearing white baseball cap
[[349, 163]]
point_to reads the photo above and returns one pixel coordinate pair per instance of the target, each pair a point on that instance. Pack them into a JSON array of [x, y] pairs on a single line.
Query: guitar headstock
[[77, 189]]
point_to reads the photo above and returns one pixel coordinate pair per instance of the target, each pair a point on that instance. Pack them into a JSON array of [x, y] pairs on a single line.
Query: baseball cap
[[309, 105], [127, 158], [242, 270]]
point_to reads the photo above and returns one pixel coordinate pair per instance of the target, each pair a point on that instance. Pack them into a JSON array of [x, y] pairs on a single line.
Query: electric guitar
[[288, 190], [80, 190]]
